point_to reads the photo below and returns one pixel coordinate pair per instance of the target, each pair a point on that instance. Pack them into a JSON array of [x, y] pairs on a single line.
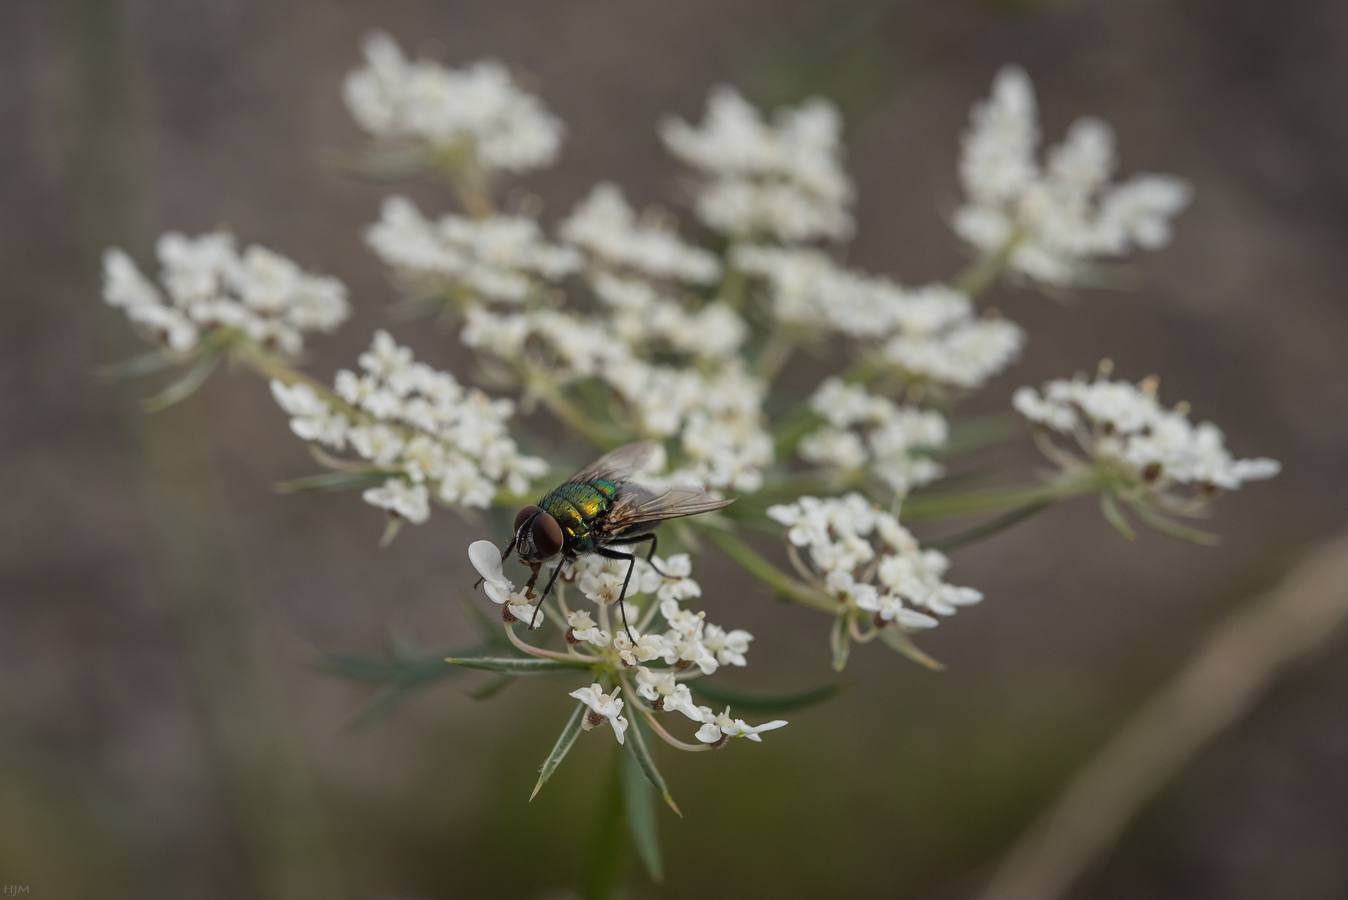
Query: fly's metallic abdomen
[[576, 506]]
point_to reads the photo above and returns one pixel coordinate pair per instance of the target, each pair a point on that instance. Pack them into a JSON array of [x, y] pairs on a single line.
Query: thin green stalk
[[780, 582], [936, 506], [775, 353], [983, 272]]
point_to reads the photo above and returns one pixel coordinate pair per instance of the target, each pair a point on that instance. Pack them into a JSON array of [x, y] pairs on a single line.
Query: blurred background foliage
[[162, 733]]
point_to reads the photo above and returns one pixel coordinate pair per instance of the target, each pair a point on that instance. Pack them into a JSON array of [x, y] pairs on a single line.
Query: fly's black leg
[[546, 590], [631, 564], [650, 553]]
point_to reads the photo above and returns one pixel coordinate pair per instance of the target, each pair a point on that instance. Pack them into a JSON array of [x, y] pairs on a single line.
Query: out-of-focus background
[[162, 733]]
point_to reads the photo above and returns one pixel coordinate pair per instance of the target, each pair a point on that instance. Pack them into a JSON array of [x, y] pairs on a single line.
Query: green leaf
[[527, 665], [980, 431], [901, 642], [760, 704], [559, 750], [988, 528], [332, 481], [641, 813], [636, 745], [1169, 526], [146, 364], [184, 387], [840, 641], [1110, 507]]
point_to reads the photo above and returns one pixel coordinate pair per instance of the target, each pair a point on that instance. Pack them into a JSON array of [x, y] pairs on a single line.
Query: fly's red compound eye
[[547, 535], [522, 516]]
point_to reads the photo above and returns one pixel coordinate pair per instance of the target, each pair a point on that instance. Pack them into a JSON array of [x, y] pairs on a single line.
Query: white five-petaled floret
[[602, 708], [718, 727]]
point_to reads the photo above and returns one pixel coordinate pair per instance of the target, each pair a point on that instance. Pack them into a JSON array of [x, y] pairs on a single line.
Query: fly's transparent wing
[[638, 506], [617, 465]]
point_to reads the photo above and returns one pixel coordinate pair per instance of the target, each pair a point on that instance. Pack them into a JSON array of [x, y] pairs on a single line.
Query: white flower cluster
[[1123, 424], [867, 430], [606, 226], [478, 108], [688, 640], [784, 181], [930, 333], [500, 258], [688, 646], [867, 560], [1055, 219], [209, 285], [429, 433]]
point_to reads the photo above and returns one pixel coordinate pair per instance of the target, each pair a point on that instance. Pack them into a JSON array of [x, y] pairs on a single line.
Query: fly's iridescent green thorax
[[576, 506]]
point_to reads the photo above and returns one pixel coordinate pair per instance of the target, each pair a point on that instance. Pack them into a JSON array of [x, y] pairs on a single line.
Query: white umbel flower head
[[867, 560], [1053, 221], [477, 108], [930, 334], [401, 416], [209, 287], [864, 429], [1124, 426], [783, 180]]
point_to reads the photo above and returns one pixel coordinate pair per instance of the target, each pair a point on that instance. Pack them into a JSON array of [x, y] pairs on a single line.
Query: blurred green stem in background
[[262, 773]]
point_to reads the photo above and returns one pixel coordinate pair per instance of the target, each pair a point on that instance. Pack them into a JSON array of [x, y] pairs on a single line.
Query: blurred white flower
[[603, 708], [783, 180], [208, 285], [499, 258], [478, 108], [1052, 221], [606, 227], [929, 333], [864, 428]]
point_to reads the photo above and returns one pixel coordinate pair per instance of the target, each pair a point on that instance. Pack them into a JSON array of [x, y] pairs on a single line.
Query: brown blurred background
[[161, 731]]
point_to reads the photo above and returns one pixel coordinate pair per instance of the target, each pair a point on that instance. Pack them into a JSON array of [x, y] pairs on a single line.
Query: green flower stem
[[606, 437], [606, 858], [731, 291], [775, 353], [1070, 484], [781, 583], [983, 272], [270, 366], [539, 652]]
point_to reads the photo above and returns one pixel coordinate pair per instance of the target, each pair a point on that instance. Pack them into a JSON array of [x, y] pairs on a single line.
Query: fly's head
[[538, 537]]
